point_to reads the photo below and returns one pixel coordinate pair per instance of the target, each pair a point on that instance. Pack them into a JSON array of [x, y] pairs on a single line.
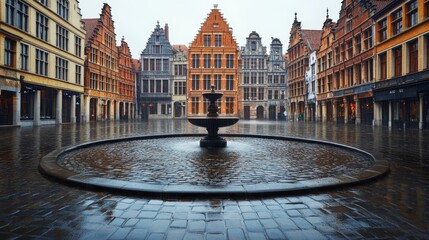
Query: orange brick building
[[109, 94], [213, 60]]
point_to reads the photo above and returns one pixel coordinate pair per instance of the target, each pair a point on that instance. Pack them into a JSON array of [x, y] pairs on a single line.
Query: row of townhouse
[[371, 65], [55, 69], [173, 77]]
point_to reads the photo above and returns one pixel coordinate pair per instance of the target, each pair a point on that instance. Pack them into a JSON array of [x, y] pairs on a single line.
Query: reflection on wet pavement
[[396, 206]]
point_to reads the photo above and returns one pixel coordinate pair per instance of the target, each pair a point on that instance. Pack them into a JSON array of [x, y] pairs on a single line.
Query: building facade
[[41, 65], [156, 78], [180, 80], [253, 84], [401, 91], [277, 85], [126, 82], [213, 60], [107, 95], [301, 43]]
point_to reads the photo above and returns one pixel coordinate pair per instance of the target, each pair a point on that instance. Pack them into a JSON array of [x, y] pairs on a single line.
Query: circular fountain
[[177, 165], [212, 122]]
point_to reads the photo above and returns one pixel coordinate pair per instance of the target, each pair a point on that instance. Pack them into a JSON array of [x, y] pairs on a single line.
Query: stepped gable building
[[301, 43], [325, 72], [156, 91], [213, 60], [277, 94], [253, 85], [41, 62], [401, 91], [107, 95], [346, 64], [180, 80], [126, 82]]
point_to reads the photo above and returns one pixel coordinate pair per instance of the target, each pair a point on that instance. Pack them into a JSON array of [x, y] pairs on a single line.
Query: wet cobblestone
[[394, 207]]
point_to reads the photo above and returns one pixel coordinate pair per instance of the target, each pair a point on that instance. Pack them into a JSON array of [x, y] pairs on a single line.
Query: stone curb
[[49, 167]]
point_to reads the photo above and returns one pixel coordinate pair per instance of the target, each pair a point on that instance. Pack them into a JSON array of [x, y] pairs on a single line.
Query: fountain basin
[[213, 121], [168, 166]]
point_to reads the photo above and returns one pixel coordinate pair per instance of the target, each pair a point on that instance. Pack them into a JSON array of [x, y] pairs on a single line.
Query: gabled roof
[[311, 38], [90, 26], [183, 47]]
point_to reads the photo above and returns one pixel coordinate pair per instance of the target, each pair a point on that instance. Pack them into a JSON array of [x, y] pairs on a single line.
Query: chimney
[[167, 33]]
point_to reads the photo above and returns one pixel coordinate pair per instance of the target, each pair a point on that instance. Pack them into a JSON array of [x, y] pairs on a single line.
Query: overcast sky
[[136, 19]]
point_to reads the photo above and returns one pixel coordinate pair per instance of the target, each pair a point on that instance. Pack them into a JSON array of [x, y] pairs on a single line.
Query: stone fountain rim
[[50, 168]]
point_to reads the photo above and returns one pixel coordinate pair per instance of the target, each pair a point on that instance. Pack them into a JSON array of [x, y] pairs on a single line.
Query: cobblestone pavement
[[396, 206]]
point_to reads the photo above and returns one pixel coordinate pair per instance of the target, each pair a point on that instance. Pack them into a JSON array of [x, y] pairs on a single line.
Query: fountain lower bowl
[[175, 166]]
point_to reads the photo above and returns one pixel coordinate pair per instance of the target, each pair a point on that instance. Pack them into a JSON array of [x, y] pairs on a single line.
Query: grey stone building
[[277, 88], [155, 93], [180, 76], [253, 83]]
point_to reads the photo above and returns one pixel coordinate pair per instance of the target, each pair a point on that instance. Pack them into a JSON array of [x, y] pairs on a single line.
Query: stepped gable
[[93, 25], [215, 22]]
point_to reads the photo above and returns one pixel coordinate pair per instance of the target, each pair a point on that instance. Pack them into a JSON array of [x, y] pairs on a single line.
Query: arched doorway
[[177, 109], [246, 112], [260, 113], [272, 112], [93, 109]]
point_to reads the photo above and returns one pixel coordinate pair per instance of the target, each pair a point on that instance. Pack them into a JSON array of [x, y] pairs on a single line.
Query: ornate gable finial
[[157, 24], [296, 18], [215, 6], [327, 13]]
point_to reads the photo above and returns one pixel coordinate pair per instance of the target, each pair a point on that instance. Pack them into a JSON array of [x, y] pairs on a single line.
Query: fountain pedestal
[[213, 122]]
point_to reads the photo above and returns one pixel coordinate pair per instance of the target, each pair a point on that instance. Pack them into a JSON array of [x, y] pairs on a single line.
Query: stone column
[[377, 114], [117, 115], [73, 109], [112, 110], [421, 105], [334, 110], [346, 110], [17, 107], [324, 112], [36, 117], [358, 116], [59, 114], [390, 114]]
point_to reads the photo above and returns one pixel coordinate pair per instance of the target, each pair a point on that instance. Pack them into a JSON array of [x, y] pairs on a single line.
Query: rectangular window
[[41, 62], [207, 40], [44, 2], [412, 13], [9, 52], [426, 8], [261, 78], [229, 105], [61, 68], [358, 46], [413, 57], [218, 81], [93, 81], [78, 46], [165, 86], [195, 60], [78, 74], [24, 57], [253, 93], [368, 39], [195, 82], [229, 82], [206, 82], [253, 77], [270, 94], [397, 61], [246, 95], [195, 103], [261, 94], [207, 60], [349, 49], [218, 61], [63, 9], [229, 61], [218, 40], [382, 30], [383, 66], [17, 14], [246, 78], [94, 55], [42, 26], [397, 22], [62, 38]]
